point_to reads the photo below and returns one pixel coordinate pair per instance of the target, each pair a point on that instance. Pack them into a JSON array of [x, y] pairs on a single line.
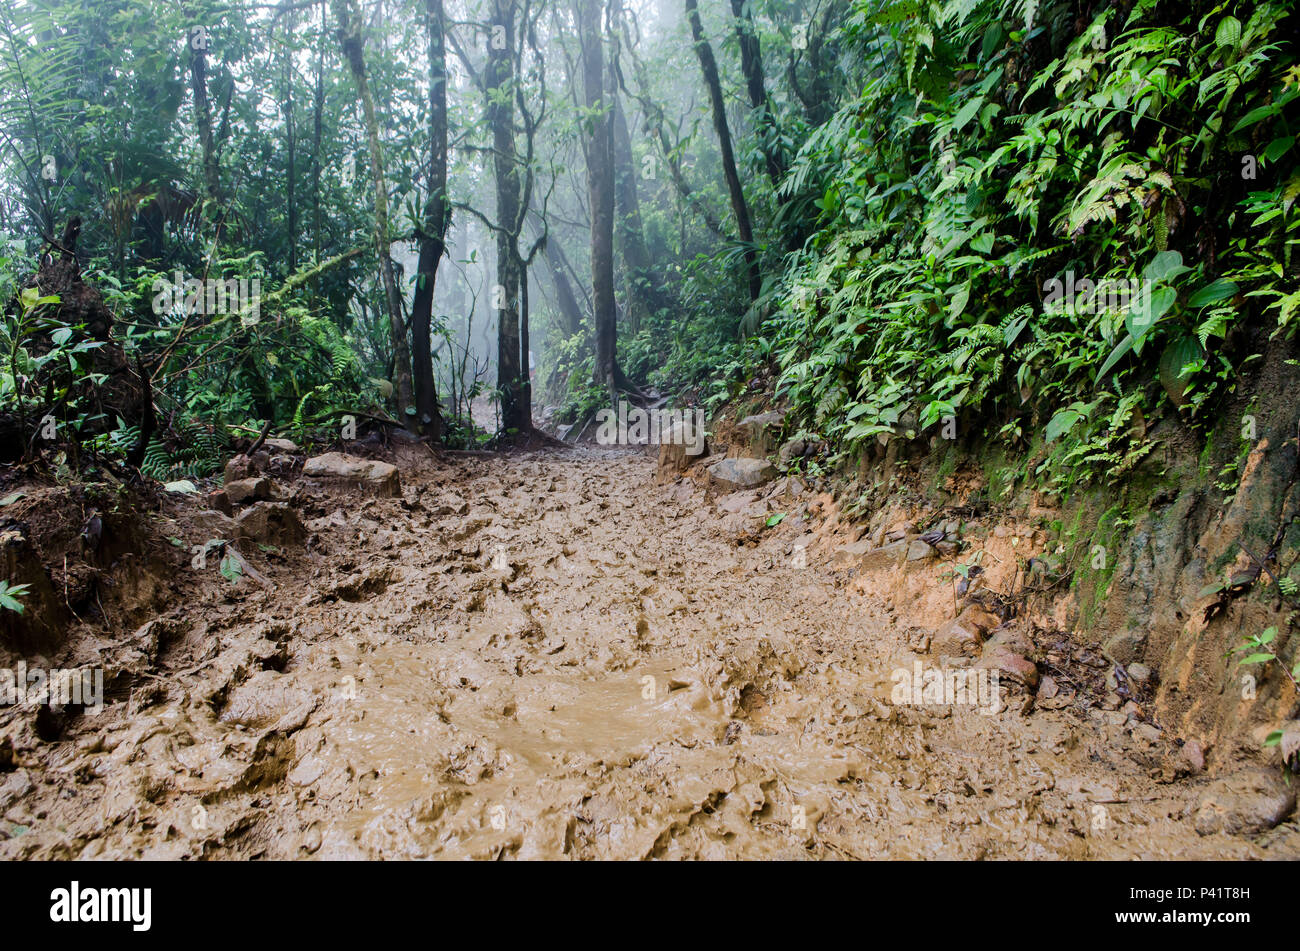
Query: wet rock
[[1247, 802], [339, 470], [1147, 732], [248, 490], [1138, 673], [919, 550], [683, 444], [219, 501], [743, 473], [1192, 757], [272, 523], [794, 449], [1003, 656], [760, 420], [282, 445], [964, 635]]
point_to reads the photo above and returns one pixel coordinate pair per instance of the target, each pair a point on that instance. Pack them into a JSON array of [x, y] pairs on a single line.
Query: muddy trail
[[549, 655]]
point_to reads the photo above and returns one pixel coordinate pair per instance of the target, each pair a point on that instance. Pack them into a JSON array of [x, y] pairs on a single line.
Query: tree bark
[[638, 275], [600, 187], [501, 117], [751, 64], [433, 237], [350, 39], [566, 300], [709, 67]]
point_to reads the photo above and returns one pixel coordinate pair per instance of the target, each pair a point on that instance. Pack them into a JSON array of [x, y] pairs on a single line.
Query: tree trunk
[[566, 300], [433, 237], [751, 64], [638, 276], [709, 66], [350, 38], [501, 117], [600, 186]]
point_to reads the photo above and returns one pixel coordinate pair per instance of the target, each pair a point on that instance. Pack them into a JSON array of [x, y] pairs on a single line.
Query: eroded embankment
[[548, 655]]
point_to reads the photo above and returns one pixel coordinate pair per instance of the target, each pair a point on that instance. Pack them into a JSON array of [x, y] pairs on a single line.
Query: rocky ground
[[555, 654]]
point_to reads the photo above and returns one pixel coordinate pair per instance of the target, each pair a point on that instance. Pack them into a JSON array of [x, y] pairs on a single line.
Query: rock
[[239, 467], [219, 501], [282, 445], [850, 554], [963, 636], [339, 470], [1010, 665], [885, 556], [742, 473], [1192, 757], [791, 450], [210, 523], [682, 445], [760, 420], [248, 490], [919, 551], [1048, 688], [1244, 803], [271, 523], [1138, 673]]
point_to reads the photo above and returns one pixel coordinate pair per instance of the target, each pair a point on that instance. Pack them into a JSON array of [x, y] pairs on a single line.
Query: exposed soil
[[546, 655]]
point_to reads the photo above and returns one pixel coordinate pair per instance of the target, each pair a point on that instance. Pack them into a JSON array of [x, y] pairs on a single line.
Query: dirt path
[[549, 656]]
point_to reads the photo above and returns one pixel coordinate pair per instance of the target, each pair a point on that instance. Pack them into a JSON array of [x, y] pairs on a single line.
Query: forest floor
[[548, 655]]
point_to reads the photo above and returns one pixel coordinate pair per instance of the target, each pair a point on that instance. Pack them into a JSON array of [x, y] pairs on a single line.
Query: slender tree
[[350, 39], [599, 145], [709, 67], [433, 232]]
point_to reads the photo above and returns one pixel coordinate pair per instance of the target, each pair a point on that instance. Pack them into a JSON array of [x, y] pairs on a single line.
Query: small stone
[[1147, 732], [281, 445], [1193, 756], [963, 636], [1138, 673]]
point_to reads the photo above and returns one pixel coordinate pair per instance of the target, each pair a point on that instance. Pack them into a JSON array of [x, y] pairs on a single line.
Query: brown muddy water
[[549, 656]]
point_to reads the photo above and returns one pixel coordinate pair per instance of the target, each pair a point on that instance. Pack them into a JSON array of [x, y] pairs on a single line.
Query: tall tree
[[639, 281], [709, 67], [433, 233], [350, 39], [751, 64], [500, 79], [599, 145]]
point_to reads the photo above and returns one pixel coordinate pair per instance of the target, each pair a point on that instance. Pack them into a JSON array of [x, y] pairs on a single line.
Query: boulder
[[340, 471], [742, 473], [1246, 802], [287, 446], [919, 551]]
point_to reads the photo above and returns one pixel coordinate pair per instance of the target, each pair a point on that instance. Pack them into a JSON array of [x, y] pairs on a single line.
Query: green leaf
[[1122, 348], [1213, 293], [1228, 33], [11, 499], [1062, 423], [184, 486], [230, 568], [1255, 659], [1177, 355], [775, 520]]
